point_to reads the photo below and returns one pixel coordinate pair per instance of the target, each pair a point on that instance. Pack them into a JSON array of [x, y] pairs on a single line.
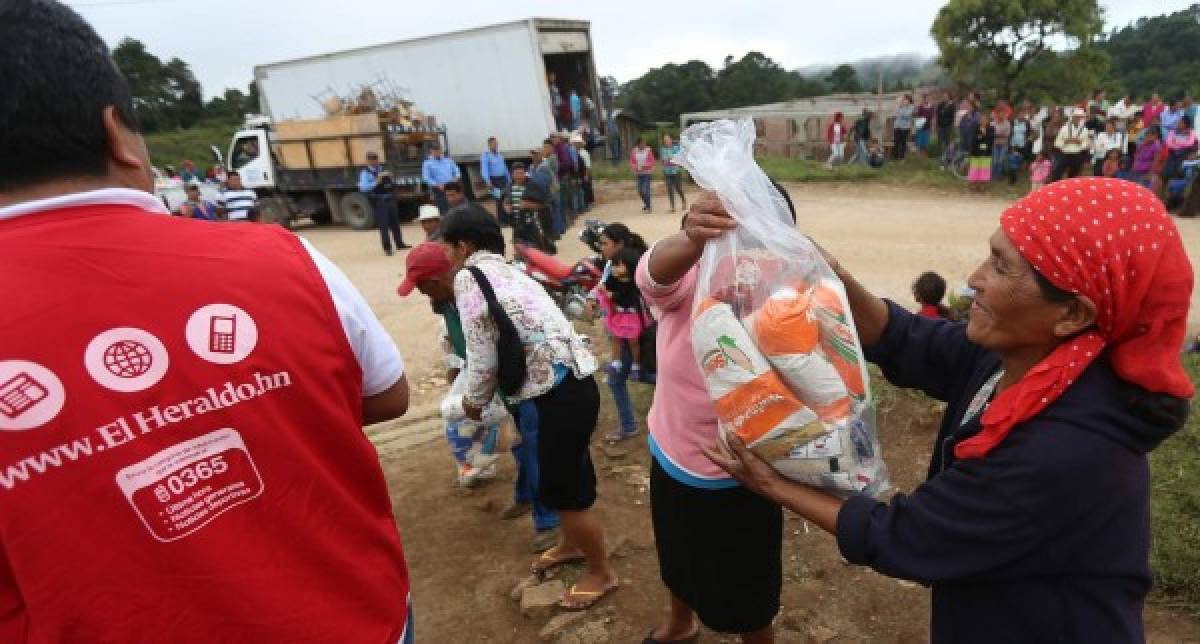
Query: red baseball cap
[[425, 260]]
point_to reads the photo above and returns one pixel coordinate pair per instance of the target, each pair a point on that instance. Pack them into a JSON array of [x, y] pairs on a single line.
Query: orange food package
[[785, 328], [750, 398]]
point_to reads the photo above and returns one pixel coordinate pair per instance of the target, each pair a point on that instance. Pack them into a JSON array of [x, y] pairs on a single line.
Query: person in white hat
[[431, 222], [585, 170]]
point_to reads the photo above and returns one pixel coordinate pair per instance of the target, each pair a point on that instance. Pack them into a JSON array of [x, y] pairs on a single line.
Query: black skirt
[[566, 419], [719, 551]]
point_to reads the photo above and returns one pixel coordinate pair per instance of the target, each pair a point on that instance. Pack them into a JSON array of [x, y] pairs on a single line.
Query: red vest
[[181, 452]]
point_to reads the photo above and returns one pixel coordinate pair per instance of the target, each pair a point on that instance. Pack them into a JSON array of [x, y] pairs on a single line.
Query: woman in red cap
[[1034, 523]]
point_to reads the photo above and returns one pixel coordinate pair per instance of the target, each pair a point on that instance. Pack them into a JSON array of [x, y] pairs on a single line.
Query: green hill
[[171, 148]]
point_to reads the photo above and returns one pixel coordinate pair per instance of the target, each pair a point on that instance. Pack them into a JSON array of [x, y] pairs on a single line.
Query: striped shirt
[[237, 203], [514, 196]]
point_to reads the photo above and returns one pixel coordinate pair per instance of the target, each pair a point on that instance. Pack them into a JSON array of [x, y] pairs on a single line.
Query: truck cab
[[317, 176]]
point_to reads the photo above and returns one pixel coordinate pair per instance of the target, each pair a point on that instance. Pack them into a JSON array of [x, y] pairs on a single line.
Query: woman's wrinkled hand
[[707, 219], [755, 474]]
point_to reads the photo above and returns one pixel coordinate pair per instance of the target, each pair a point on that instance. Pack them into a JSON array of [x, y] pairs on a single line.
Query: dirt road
[[464, 560]]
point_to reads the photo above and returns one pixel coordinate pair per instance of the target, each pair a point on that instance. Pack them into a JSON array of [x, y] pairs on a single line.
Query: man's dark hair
[[491, 138], [233, 173], [453, 185], [930, 288], [475, 225], [58, 78]]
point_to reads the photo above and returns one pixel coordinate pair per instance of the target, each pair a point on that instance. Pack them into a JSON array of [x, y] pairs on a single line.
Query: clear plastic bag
[[452, 407], [772, 330]]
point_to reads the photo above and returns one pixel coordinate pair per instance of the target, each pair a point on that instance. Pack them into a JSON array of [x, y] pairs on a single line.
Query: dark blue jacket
[[1047, 538]]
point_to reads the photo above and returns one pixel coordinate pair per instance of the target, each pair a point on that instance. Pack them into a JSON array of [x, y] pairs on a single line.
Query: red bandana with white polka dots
[[1112, 241]]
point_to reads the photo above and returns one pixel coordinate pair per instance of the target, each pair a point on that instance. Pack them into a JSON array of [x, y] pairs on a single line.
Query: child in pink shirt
[[1039, 172]]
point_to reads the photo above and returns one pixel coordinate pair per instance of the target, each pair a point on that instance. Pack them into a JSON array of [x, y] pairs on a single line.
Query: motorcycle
[[567, 284]]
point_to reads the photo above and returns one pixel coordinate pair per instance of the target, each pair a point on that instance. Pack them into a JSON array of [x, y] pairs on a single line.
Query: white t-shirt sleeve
[[377, 354]]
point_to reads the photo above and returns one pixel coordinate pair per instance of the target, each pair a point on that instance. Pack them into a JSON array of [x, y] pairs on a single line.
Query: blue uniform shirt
[[439, 171], [366, 178], [491, 164]]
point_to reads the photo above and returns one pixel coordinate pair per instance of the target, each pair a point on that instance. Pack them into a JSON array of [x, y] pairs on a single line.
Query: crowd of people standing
[[1151, 142]]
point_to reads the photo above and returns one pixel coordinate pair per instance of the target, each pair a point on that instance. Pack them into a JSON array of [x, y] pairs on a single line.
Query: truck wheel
[[357, 212], [273, 210]]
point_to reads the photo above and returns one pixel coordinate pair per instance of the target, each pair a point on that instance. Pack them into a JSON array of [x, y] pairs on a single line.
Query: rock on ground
[[559, 624], [539, 602]]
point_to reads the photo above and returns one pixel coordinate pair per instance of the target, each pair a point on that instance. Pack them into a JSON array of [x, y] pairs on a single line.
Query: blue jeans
[[577, 193], [999, 160], [560, 219], [860, 152], [527, 467], [620, 392], [643, 188]]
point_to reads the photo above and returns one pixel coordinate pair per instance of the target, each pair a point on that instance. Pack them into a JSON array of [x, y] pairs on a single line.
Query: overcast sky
[[224, 39]]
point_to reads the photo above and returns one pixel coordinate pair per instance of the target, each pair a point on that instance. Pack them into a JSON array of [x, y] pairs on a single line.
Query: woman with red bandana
[[1034, 522]]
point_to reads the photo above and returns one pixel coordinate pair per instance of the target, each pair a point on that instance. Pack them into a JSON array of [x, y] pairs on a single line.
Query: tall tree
[[184, 91], [753, 80], [663, 93], [994, 42], [843, 78], [144, 72]]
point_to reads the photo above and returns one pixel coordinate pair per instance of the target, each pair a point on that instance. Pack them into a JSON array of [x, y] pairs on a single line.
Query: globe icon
[[127, 359]]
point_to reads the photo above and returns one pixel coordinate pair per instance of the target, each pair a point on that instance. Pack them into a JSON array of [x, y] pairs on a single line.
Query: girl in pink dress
[[625, 313]]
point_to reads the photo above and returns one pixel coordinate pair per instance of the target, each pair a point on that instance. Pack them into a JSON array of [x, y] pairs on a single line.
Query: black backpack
[[510, 353]]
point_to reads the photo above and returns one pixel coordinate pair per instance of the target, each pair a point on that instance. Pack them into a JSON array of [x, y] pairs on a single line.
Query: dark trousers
[[675, 185], [943, 134], [387, 217], [439, 199], [1069, 166], [900, 143], [500, 183]]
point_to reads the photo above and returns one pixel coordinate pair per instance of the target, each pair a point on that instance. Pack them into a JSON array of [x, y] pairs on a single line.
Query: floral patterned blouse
[[548, 337]]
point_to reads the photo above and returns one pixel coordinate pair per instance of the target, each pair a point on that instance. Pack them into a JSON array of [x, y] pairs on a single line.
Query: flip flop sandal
[[548, 562], [591, 596], [687, 640]]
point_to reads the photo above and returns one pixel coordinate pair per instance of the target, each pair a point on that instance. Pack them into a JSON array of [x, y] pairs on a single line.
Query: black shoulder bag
[[510, 353]]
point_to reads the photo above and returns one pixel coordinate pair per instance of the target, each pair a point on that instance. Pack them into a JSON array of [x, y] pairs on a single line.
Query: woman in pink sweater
[[642, 161], [719, 545]]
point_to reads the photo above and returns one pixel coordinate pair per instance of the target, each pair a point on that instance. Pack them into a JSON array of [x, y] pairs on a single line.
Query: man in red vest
[[181, 454]]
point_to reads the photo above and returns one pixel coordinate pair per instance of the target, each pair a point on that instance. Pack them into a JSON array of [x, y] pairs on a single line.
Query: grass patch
[[171, 148], [1175, 507], [912, 172]]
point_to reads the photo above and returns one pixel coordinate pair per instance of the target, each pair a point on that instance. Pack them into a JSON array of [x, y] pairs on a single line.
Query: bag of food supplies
[[452, 406], [772, 329]]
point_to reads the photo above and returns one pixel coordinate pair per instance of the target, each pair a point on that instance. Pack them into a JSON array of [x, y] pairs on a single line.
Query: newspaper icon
[[21, 393]]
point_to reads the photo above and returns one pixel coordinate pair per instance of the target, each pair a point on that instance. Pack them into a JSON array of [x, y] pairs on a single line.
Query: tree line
[[167, 96], [1046, 50]]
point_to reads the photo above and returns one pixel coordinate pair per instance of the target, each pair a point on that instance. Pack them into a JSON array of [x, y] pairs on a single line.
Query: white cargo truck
[[483, 82]]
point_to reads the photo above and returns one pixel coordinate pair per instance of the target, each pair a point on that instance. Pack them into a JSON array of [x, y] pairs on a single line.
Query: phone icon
[[221, 330]]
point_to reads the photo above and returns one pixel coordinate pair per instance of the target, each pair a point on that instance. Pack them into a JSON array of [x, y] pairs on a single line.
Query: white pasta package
[[750, 398], [452, 405], [773, 333]]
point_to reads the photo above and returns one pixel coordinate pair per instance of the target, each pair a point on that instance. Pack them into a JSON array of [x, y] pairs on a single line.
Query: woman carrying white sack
[[719, 545]]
